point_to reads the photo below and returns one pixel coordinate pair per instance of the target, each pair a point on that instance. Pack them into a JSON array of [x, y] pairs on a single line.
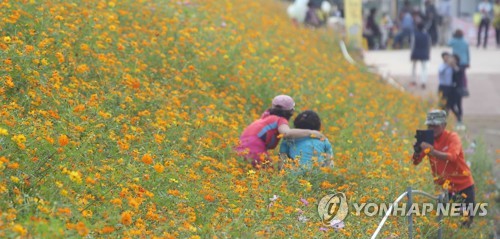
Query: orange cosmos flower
[[63, 140], [126, 218], [147, 159], [209, 198]]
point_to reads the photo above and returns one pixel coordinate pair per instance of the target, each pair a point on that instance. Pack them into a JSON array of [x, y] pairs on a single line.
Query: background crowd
[[381, 31]]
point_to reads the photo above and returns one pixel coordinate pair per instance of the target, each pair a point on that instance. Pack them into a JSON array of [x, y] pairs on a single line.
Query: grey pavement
[[397, 62]]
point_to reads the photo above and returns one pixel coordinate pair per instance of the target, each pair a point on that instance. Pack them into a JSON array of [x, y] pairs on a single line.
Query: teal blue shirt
[[461, 48], [305, 149]]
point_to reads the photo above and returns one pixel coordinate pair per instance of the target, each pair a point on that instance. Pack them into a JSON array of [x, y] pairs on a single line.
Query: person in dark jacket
[[455, 94], [431, 21], [372, 30], [485, 8], [420, 52], [312, 18]]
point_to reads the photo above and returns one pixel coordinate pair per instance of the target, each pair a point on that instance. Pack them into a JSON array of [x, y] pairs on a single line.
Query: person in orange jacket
[[447, 161]]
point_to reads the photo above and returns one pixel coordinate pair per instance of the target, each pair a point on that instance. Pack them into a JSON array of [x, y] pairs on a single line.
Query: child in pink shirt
[[262, 134]]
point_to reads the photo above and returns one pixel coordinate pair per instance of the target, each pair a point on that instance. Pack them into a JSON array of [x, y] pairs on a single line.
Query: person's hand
[[317, 134], [448, 62], [417, 149], [426, 147]]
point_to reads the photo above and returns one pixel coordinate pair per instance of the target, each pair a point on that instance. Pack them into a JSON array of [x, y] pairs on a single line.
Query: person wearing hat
[[262, 134], [447, 161]]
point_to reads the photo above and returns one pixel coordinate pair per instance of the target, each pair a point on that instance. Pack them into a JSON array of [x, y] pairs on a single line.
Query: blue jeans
[[405, 33]]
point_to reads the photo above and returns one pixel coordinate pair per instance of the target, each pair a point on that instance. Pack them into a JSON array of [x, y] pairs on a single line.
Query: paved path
[[481, 108]]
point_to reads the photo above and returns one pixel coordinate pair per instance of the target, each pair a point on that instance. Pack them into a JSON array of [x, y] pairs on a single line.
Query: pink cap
[[284, 101]]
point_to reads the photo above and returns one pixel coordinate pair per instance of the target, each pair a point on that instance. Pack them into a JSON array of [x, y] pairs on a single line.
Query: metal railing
[[441, 198]]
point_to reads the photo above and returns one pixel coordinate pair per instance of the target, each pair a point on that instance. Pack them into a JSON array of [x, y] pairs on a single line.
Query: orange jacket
[[453, 169]]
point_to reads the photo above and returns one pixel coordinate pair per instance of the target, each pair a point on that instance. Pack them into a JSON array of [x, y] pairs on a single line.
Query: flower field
[[118, 119]]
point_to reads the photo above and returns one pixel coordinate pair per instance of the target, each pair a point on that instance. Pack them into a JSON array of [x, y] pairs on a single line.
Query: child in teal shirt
[[307, 150]]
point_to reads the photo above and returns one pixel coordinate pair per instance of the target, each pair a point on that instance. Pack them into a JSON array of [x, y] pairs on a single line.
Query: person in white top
[[485, 9], [444, 22], [386, 29]]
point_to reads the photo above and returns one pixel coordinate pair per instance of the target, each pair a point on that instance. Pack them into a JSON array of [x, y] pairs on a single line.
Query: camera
[[423, 136]]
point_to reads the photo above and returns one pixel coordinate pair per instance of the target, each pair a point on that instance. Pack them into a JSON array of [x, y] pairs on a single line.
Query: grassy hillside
[[118, 119]]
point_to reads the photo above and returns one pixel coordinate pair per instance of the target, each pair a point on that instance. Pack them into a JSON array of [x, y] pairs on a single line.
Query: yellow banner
[[354, 22]]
